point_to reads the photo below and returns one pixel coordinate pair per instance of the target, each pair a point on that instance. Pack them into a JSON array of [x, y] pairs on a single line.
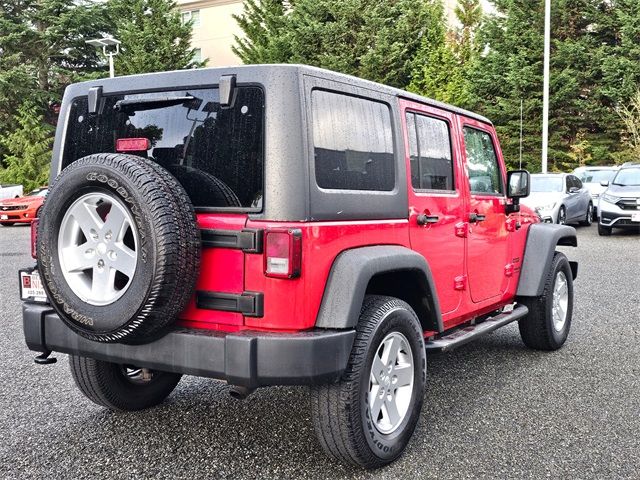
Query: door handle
[[424, 219], [476, 217]]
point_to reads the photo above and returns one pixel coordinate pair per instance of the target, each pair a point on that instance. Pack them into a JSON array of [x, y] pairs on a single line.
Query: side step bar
[[466, 334]]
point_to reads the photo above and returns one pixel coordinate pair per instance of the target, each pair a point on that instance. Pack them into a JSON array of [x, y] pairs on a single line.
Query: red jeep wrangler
[[283, 225]]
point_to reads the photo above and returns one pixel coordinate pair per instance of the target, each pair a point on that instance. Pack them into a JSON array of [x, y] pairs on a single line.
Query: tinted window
[[353, 143], [430, 151], [576, 182], [546, 184], [189, 134], [482, 162]]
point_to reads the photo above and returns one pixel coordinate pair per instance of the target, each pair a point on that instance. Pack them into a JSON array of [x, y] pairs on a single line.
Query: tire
[[38, 212], [342, 417], [562, 216], [203, 188], [589, 218], [539, 329], [117, 387], [163, 246], [604, 231]]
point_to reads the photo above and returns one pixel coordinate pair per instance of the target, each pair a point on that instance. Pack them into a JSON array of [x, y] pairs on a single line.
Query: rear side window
[[484, 170], [352, 143], [430, 151], [216, 153]]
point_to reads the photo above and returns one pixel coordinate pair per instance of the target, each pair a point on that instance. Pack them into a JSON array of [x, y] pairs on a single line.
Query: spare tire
[[118, 248], [204, 188]]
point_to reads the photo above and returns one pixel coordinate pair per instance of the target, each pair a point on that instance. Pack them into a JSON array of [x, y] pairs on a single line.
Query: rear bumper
[[248, 358]]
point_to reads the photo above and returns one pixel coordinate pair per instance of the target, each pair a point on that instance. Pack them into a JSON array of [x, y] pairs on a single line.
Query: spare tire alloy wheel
[[98, 248], [118, 248]]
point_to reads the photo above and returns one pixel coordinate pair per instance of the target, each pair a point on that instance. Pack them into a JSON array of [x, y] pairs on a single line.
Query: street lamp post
[[110, 48], [545, 87]]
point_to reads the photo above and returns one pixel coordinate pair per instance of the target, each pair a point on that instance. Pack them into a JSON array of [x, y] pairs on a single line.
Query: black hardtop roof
[[192, 77]]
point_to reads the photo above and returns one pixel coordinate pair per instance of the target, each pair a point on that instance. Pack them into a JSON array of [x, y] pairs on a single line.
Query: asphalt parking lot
[[493, 409]]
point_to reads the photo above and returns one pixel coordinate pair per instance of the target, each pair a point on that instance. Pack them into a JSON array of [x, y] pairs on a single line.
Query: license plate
[[31, 286], [635, 217], [4, 217]]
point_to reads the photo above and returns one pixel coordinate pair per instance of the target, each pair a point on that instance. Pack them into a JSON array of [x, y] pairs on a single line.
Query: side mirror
[[518, 186], [604, 183]]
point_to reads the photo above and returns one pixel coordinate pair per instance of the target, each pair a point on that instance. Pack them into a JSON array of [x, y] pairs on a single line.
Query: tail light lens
[[132, 144], [34, 236], [283, 253]]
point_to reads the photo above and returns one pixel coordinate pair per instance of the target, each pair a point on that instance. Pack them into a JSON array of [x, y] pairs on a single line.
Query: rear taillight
[[34, 236], [283, 253], [132, 144]]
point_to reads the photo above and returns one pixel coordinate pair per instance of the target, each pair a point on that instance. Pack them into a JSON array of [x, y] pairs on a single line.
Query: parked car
[[592, 178], [560, 198], [10, 191], [22, 209], [280, 225], [620, 203]]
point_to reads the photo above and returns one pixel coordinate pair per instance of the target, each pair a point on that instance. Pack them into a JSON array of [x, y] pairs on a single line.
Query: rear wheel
[[603, 231], [368, 417], [121, 387], [589, 217], [547, 325]]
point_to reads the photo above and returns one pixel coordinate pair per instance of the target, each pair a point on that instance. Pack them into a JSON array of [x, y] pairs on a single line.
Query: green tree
[[154, 37], [442, 66], [29, 149], [378, 40], [630, 116]]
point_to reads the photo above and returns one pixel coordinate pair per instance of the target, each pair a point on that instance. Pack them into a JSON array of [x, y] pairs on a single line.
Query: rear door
[[436, 202], [487, 244]]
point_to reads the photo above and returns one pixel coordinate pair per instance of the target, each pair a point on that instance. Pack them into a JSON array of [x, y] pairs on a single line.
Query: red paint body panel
[[221, 270], [476, 266], [294, 303]]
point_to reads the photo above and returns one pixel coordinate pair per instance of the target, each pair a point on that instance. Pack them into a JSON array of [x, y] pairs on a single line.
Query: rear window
[[215, 152], [353, 143]]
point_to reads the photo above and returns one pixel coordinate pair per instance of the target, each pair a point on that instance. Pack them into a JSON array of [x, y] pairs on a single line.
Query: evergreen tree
[[29, 149], [442, 66], [42, 50], [153, 37], [377, 40]]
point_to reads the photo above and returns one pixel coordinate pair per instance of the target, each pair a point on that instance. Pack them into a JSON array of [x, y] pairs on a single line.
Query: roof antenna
[[521, 114]]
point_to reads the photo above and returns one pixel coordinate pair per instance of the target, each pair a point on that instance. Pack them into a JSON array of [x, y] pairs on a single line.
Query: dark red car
[[278, 225], [22, 209]]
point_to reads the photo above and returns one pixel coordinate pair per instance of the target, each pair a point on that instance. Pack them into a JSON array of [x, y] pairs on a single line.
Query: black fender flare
[[542, 240], [353, 269]]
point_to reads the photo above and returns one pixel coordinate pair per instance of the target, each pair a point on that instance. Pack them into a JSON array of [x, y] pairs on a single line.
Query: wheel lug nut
[[100, 263], [107, 236]]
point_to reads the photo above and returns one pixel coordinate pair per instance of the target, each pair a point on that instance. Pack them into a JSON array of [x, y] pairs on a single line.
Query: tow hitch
[[43, 358]]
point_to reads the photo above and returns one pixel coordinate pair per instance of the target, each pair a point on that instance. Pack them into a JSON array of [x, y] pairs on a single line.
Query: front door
[[436, 203], [487, 244]]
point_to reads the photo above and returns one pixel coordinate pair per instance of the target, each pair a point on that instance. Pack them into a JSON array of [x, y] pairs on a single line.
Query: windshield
[[628, 177], [40, 192], [205, 146], [596, 176], [546, 184]]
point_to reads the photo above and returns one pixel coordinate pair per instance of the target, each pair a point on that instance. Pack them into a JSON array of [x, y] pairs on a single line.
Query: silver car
[[560, 198], [592, 178]]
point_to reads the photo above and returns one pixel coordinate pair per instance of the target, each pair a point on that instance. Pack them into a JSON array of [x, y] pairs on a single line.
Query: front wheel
[[562, 216], [603, 231], [121, 387], [547, 325], [368, 417]]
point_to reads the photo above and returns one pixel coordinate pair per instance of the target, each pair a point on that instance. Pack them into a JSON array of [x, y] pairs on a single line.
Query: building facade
[[213, 29]]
